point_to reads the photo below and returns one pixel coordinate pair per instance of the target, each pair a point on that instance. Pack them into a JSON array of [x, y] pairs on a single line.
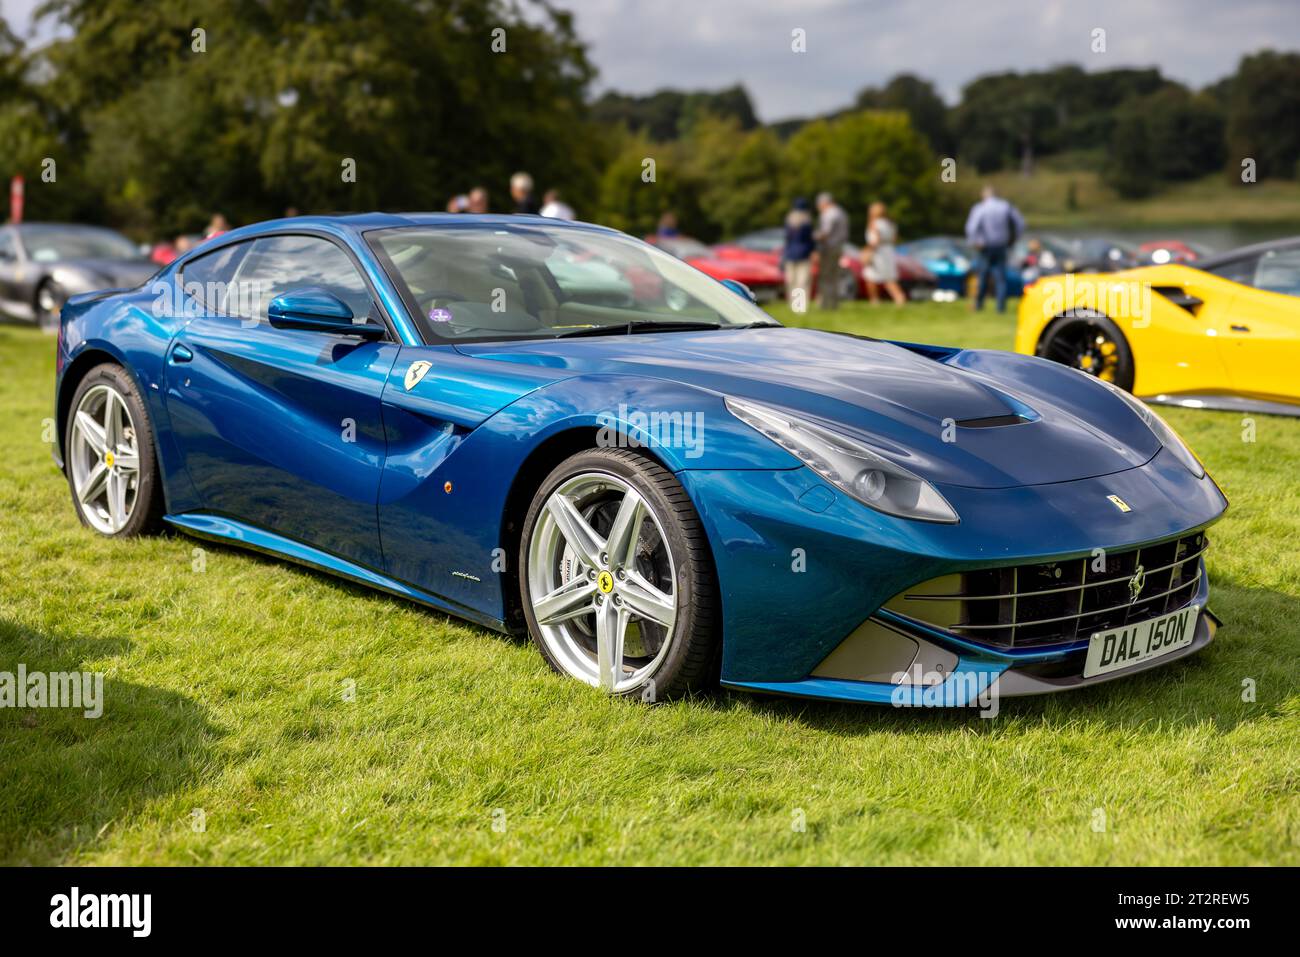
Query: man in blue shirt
[[991, 227]]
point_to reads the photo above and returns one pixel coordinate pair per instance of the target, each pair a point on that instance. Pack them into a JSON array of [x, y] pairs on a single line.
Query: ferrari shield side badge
[[415, 372]]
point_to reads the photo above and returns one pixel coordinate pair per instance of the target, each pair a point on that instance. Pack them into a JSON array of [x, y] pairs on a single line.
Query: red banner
[[16, 200]]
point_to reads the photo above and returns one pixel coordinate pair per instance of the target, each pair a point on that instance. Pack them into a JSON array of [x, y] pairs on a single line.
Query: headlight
[[848, 465], [1158, 426]]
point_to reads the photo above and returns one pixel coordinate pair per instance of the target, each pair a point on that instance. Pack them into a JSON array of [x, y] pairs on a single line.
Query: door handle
[[181, 353], [1237, 327]]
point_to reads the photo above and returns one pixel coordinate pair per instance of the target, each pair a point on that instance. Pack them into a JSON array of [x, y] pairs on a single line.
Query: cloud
[[640, 46]]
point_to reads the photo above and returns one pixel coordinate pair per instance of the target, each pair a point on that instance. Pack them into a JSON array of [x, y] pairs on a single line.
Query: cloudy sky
[[642, 45]]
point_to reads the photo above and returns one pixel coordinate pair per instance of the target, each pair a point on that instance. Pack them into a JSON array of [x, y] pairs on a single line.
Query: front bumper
[[801, 565], [938, 677]]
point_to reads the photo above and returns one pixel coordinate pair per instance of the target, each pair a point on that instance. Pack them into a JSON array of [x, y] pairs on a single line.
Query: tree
[[669, 114], [644, 181], [1263, 104], [738, 175], [1164, 137], [919, 100], [867, 156], [276, 100], [29, 134]]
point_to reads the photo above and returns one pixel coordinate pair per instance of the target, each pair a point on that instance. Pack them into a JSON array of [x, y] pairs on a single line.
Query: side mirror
[[740, 289], [315, 310]]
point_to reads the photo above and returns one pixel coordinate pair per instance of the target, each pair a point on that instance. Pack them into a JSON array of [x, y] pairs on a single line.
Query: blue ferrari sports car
[[555, 429]]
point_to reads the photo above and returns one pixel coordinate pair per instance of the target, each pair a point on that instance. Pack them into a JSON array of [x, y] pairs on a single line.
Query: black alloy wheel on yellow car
[[1091, 343]]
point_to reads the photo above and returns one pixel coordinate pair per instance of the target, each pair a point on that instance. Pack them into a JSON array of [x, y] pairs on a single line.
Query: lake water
[[1216, 238]]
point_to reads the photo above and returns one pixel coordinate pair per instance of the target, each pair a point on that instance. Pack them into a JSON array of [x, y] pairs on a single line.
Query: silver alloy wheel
[[104, 459], [605, 603]]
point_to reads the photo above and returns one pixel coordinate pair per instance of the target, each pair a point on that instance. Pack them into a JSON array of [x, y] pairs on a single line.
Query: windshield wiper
[[640, 325]]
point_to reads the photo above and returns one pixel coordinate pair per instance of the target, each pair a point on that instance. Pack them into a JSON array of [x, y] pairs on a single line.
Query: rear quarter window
[[207, 279]]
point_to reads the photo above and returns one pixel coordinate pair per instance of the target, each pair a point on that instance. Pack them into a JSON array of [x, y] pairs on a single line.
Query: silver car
[[43, 264]]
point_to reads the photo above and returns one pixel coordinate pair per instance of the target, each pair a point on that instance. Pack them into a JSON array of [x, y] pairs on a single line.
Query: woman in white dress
[[880, 263]]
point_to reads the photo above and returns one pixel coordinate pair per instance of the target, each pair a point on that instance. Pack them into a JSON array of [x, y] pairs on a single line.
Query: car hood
[[1025, 422], [108, 273]]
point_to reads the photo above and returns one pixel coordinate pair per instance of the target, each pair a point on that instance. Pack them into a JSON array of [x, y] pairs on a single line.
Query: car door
[[1261, 345], [281, 428]]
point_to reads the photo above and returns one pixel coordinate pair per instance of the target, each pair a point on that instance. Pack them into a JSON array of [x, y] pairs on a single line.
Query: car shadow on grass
[[66, 779], [1254, 652], [1253, 644]]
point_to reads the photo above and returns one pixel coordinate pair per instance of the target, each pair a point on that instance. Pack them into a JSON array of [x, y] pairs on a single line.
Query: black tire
[[690, 663], [1072, 340], [48, 305], [147, 514]]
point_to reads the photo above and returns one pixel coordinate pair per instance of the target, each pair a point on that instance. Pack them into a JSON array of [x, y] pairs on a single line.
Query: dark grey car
[[42, 264]]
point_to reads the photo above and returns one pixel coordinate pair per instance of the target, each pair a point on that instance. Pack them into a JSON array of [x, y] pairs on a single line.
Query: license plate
[[1133, 644]]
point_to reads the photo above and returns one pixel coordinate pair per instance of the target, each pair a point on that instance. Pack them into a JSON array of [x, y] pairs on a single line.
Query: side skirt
[[219, 528], [1224, 403]]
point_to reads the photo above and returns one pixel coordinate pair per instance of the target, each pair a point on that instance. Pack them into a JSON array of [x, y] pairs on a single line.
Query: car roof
[[365, 222], [24, 227], [1245, 252], [358, 223]]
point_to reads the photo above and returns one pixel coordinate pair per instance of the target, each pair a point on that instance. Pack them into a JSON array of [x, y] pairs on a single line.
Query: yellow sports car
[[1222, 335]]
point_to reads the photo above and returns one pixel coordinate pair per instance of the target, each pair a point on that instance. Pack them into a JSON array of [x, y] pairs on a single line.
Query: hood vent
[[993, 421]]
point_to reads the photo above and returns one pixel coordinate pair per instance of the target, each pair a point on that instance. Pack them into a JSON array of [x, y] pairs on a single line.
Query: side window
[[208, 279], [279, 264], [1239, 270], [8, 249], [1279, 271]]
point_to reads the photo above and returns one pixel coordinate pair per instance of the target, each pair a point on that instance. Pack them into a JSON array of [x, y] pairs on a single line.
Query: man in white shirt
[[555, 208]]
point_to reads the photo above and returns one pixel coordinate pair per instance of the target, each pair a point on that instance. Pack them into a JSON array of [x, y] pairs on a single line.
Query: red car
[[1164, 251], [764, 279], [765, 245]]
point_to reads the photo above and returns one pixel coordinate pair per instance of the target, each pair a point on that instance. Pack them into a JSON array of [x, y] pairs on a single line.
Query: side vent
[[1180, 297]]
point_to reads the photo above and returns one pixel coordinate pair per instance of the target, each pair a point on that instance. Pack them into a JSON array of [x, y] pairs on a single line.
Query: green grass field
[[228, 736]]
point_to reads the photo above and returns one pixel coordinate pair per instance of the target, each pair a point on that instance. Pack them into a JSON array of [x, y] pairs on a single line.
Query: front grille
[[1052, 603]]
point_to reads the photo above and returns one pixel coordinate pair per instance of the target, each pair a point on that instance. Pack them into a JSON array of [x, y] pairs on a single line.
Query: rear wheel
[[109, 453], [1093, 344], [617, 582]]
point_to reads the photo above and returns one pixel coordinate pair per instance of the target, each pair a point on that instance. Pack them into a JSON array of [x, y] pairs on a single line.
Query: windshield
[[507, 281], [47, 244]]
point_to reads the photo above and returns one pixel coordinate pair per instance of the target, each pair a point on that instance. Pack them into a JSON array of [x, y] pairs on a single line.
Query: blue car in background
[[557, 430], [954, 263]]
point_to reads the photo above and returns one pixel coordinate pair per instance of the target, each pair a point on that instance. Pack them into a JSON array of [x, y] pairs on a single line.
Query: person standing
[[521, 191], [553, 207], [832, 233], [879, 260], [796, 255], [991, 228]]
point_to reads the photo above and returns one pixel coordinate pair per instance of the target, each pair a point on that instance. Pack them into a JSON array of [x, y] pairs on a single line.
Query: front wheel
[[1093, 344], [617, 581]]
